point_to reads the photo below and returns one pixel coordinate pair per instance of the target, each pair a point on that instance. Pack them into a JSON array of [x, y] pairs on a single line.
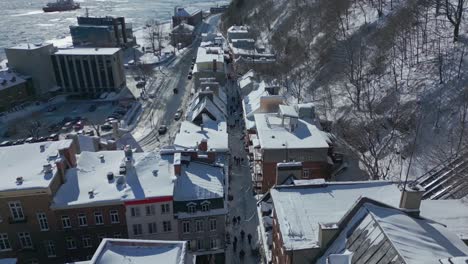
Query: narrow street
[[243, 204]]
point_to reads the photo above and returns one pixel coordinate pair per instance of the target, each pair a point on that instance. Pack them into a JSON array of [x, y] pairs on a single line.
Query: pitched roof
[[396, 236], [300, 209], [214, 132], [27, 161]]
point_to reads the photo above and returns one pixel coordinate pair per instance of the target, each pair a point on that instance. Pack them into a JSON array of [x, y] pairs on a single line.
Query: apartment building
[[289, 135], [34, 60], [89, 72], [200, 203], [31, 176], [186, 15], [210, 64], [14, 89], [182, 35]]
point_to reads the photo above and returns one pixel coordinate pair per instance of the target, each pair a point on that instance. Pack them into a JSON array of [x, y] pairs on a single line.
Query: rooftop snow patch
[[300, 209], [214, 132], [273, 134], [209, 54], [88, 51], [9, 78], [414, 240], [149, 175], [27, 161], [124, 251], [199, 181], [451, 213]]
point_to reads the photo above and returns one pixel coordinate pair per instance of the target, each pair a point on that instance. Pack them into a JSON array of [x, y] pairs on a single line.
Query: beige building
[[89, 71], [34, 60]]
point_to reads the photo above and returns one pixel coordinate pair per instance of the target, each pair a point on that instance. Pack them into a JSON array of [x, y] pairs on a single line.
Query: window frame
[[152, 228], [165, 208], [82, 216], [186, 224], [68, 239], [139, 228], [25, 237], [66, 219], [49, 244], [199, 226], [114, 216], [7, 246], [167, 228], [42, 221], [213, 220], [16, 208], [98, 215], [89, 243], [135, 211]]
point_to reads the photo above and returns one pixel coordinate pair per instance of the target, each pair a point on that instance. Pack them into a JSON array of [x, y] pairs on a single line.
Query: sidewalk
[[244, 202]]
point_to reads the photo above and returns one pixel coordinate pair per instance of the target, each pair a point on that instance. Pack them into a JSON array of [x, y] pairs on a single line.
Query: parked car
[[30, 140], [53, 137], [178, 114], [189, 76], [162, 130], [6, 143], [41, 139], [106, 127]]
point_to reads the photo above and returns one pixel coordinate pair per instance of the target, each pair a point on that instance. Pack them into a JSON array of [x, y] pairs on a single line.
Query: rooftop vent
[[47, 168], [101, 157], [155, 173], [19, 180], [42, 147], [123, 170], [110, 176], [120, 180], [91, 193]]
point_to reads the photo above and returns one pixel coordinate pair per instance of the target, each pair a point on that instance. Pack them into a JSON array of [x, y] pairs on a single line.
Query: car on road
[[178, 114], [176, 91], [162, 130], [106, 127], [189, 76], [6, 143]]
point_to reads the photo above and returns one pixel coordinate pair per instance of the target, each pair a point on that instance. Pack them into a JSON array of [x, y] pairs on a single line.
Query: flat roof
[[199, 181], [287, 110], [150, 176], [238, 29], [9, 78], [27, 161], [300, 209], [273, 135], [214, 132], [30, 46], [135, 251], [87, 51], [208, 54]]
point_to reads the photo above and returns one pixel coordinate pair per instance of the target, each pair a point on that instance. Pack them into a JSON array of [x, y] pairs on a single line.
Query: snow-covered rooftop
[[27, 161], [287, 110], [300, 209], [251, 104], [30, 46], [9, 79], [246, 79], [208, 54], [238, 29], [274, 135], [201, 105], [150, 176], [183, 27], [214, 132], [135, 251], [88, 51], [452, 213], [199, 181], [413, 240]]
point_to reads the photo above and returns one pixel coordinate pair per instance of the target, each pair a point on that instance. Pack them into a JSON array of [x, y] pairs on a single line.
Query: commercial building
[[289, 135], [210, 64], [189, 16], [34, 60], [182, 35], [89, 71], [142, 252], [14, 89], [31, 176], [102, 32]]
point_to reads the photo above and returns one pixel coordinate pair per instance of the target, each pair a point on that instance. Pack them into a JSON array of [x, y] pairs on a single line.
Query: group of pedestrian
[[238, 160], [249, 239]]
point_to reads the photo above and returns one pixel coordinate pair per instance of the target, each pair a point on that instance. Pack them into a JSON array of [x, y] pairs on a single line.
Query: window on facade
[[137, 229], [199, 225], [199, 244], [25, 240], [117, 235], [4, 242], [98, 218], [167, 226], [135, 211], [306, 174], [150, 210], [50, 249], [16, 210], [71, 243], [213, 243], [186, 227], [114, 216], [152, 228], [191, 208], [82, 220], [42, 220], [165, 208], [87, 242], [205, 207], [213, 224], [66, 221]]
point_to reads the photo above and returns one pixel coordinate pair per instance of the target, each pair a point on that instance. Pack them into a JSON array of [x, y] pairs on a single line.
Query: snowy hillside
[[392, 75]]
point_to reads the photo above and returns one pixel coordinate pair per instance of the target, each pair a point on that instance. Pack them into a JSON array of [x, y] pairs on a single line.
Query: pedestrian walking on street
[[234, 220], [242, 235], [234, 245], [249, 237], [241, 254], [238, 219]]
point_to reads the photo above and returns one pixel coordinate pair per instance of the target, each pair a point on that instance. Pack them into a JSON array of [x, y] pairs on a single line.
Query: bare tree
[[33, 129], [454, 14]]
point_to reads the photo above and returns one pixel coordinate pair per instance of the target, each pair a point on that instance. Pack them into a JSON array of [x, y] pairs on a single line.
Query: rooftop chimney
[[19, 180], [42, 147], [203, 146], [177, 164], [47, 168], [326, 233], [411, 197]]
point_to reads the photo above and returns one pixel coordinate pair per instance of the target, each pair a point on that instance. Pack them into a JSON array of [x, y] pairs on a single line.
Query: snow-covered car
[[178, 114], [162, 130]]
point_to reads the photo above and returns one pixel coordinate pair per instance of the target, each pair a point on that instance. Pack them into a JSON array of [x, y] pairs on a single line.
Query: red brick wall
[[277, 256]]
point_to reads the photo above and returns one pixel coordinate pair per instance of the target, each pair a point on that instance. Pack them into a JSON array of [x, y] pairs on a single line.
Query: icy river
[[24, 21]]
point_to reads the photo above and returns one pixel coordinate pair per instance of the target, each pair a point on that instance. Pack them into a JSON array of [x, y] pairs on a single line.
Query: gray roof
[[88, 51]]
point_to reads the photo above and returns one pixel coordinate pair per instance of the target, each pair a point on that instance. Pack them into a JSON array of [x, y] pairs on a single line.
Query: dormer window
[[205, 205], [191, 208]]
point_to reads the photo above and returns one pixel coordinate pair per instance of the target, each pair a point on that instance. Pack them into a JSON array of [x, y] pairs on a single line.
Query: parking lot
[[61, 119]]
